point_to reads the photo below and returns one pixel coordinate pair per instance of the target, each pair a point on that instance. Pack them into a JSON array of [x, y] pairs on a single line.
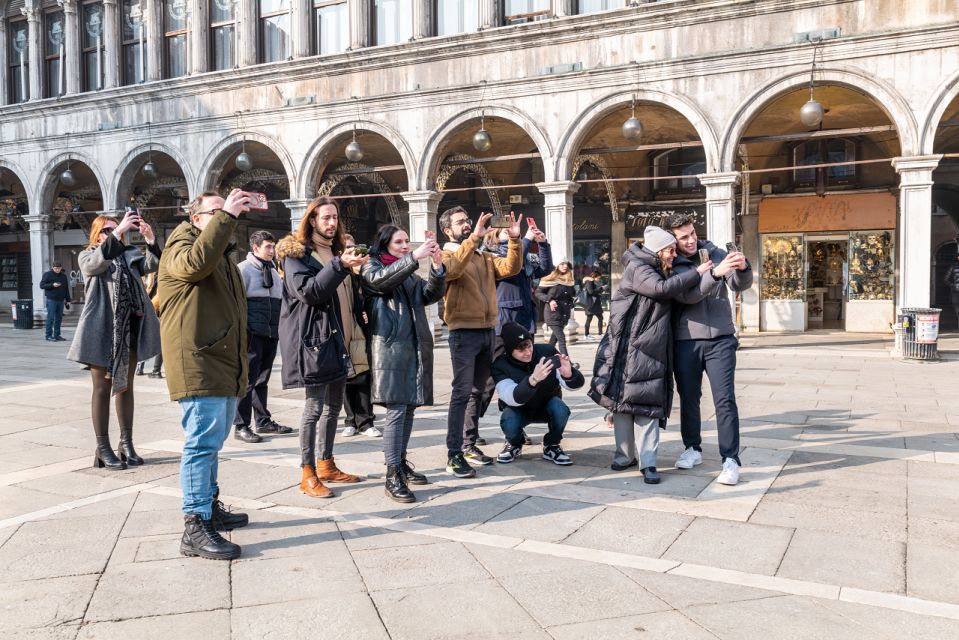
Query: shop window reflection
[[679, 168], [821, 152]]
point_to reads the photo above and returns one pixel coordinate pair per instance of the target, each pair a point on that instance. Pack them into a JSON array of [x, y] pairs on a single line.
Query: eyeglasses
[[459, 222], [206, 213]]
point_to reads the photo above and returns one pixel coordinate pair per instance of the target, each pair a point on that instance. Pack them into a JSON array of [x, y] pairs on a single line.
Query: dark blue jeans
[[555, 414], [54, 318], [717, 358]]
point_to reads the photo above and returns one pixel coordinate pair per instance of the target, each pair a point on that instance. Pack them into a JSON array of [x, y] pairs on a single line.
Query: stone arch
[[941, 99], [206, 179], [158, 147], [371, 177], [433, 157], [882, 94], [575, 134], [318, 151], [48, 179], [28, 188], [475, 168], [600, 165]]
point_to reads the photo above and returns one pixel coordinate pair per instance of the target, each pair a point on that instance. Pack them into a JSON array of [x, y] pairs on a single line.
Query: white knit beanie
[[656, 239]]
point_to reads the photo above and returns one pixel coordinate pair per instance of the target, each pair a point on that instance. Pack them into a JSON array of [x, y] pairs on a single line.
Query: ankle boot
[[327, 470], [125, 449], [225, 519], [311, 485], [104, 456], [201, 539], [396, 485], [411, 476], [140, 368]]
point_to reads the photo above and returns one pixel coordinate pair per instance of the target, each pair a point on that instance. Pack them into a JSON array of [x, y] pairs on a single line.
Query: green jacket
[[202, 312]]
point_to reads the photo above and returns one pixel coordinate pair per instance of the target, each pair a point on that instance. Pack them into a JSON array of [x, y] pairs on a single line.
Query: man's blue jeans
[[206, 424], [54, 318], [555, 414]]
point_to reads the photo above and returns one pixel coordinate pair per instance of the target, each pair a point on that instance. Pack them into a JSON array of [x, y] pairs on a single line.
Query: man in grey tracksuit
[[705, 340]]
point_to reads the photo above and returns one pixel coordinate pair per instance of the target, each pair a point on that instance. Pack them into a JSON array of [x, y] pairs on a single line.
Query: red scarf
[[387, 259]]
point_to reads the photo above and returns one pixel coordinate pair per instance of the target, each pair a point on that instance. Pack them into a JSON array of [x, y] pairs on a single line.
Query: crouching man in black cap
[[529, 381]]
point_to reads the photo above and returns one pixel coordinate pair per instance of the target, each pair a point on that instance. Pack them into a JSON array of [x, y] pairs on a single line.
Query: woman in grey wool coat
[[118, 327], [402, 343]]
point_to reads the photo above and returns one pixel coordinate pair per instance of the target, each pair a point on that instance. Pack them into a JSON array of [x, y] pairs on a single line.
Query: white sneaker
[[373, 432], [349, 431], [730, 473], [689, 459]]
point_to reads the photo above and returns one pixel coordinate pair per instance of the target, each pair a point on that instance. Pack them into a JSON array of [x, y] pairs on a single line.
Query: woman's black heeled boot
[[126, 451], [104, 456]]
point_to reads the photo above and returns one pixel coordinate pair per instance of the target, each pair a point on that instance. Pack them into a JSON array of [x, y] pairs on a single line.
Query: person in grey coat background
[[402, 343], [118, 327], [264, 296], [706, 341]]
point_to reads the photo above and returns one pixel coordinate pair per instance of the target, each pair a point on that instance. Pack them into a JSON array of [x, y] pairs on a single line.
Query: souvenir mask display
[[782, 272], [870, 265]]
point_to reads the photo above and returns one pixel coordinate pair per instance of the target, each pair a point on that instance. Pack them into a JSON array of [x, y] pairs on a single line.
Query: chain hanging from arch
[[367, 174], [447, 170], [599, 164]]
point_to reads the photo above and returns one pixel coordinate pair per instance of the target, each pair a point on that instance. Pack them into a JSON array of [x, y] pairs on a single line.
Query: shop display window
[[782, 272], [870, 265]]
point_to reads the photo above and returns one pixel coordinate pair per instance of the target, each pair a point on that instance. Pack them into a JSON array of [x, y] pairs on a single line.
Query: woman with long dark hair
[[118, 326], [402, 343], [558, 293]]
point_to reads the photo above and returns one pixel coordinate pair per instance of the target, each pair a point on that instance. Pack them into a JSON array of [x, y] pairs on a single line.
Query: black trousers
[[471, 352], [261, 352], [558, 339], [717, 358], [490, 389], [358, 402], [599, 319]]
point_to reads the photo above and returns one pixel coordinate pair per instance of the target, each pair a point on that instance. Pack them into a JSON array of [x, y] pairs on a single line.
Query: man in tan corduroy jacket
[[470, 312]]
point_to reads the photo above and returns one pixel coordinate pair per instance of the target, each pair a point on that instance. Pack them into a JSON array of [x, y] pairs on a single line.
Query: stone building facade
[[109, 103]]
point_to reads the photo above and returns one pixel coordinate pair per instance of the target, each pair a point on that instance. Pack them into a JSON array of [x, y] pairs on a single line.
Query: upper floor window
[[456, 16], [18, 55], [53, 46], [175, 34], [680, 167], [275, 30], [822, 152], [393, 21], [133, 41], [222, 34], [593, 6], [92, 45], [520, 11], [331, 27]]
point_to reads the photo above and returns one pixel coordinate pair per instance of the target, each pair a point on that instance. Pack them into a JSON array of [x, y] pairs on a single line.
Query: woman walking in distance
[[402, 348], [118, 327], [634, 377], [315, 333], [593, 296], [558, 293]]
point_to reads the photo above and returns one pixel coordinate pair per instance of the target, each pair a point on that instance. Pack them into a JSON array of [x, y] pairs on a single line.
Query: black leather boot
[[411, 476], [201, 539], [224, 520], [140, 369], [245, 434], [126, 450], [104, 456], [396, 485]]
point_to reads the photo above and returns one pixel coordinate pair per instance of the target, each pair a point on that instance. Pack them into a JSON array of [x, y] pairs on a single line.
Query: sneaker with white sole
[[349, 431], [555, 454], [689, 459], [373, 432], [730, 472]]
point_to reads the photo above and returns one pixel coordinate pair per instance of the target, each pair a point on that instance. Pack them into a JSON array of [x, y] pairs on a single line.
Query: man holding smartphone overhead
[[705, 341]]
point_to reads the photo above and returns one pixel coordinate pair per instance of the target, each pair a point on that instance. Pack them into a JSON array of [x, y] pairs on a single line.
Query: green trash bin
[[22, 311]]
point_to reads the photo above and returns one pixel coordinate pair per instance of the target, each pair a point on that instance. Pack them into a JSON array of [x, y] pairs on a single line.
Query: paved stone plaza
[[846, 523]]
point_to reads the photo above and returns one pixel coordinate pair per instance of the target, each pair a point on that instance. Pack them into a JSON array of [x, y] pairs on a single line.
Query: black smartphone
[[557, 363], [129, 211]]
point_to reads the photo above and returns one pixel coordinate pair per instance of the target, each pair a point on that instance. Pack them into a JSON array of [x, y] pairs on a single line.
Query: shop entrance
[[827, 270]]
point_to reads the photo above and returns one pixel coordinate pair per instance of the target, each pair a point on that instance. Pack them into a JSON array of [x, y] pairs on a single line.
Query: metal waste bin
[[920, 333], [22, 311]]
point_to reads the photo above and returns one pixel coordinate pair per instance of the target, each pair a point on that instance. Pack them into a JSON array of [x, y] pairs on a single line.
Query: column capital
[[913, 164], [111, 3], [297, 203], [423, 197], [728, 178], [38, 221], [32, 13], [561, 187], [68, 6], [297, 207]]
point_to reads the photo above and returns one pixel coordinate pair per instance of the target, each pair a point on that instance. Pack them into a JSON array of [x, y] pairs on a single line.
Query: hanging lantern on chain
[[633, 128], [354, 150], [243, 161], [482, 140], [811, 113], [67, 178]]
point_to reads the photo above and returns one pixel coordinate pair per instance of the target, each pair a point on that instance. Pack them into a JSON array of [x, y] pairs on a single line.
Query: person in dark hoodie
[[529, 380], [264, 292], [633, 376]]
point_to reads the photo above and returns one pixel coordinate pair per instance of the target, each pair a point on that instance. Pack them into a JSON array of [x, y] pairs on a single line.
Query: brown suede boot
[[311, 485], [326, 470]]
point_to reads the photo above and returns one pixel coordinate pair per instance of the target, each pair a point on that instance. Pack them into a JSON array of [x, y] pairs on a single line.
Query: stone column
[[563, 8], [153, 23], [302, 28], [915, 229], [71, 45], [246, 28], [111, 43], [35, 44], [199, 36], [423, 207], [423, 19], [361, 21], [721, 213], [490, 15], [4, 65], [41, 252], [297, 210], [558, 211]]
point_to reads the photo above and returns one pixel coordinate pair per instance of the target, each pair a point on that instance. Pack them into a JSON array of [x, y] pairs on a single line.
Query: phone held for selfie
[[499, 222], [361, 249], [731, 247], [557, 363], [703, 256], [259, 201], [130, 210]]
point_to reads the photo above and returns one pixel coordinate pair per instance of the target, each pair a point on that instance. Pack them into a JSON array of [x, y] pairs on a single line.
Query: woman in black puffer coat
[[402, 343], [633, 376], [558, 293]]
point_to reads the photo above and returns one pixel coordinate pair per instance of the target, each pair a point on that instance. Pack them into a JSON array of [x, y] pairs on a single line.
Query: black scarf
[[127, 303], [267, 272]]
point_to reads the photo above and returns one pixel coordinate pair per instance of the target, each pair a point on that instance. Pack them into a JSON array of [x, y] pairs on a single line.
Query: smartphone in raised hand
[[258, 201]]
